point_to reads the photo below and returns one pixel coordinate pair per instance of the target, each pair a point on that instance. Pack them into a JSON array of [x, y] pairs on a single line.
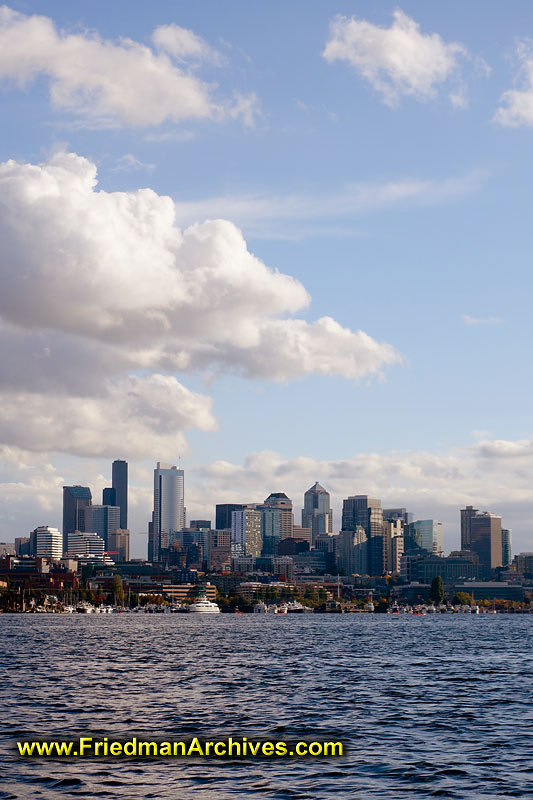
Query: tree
[[437, 589], [462, 599], [118, 590]]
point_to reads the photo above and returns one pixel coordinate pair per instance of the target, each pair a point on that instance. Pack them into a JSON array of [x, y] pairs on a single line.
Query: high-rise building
[[46, 542], [82, 543], [109, 497], [280, 501], [317, 513], [246, 538], [466, 524], [223, 515], [22, 546], [75, 501], [102, 520], [507, 555], [486, 539], [352, 551], [366, 512], [169, 509], [427, 533], [393, 543], [392, 514], [118, 545], [271, 529], [119, 482]]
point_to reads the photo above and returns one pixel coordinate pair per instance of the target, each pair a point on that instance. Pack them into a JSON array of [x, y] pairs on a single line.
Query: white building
[[46, 542], [82, 543], [169, 503]]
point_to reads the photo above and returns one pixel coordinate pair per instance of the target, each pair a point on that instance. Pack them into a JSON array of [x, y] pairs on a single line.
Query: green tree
[[437, 589], [462, 599], [118, 590]]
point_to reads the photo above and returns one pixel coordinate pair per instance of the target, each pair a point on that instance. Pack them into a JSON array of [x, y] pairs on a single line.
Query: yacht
[[204, 606], [260, 608], [84, 608], [294, 607]]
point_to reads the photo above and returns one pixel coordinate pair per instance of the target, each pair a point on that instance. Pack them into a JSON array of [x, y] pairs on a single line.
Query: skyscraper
[[364, 511], [427, 533], [75, 501], [109, 497], [103, 520], [507, 555], [246, 538], [223, 515], [316, 513], [46, 542], [466, 523], [119, 482], [486, 539], [280, 501], [169, 513]]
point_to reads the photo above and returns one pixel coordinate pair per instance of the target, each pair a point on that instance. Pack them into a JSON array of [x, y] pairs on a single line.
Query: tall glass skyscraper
[[119, 482], [316, 513], [364, 511], [169, 507], [103, 520]]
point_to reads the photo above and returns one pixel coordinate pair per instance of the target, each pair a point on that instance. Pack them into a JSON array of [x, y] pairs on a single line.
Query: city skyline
[[312, 268]]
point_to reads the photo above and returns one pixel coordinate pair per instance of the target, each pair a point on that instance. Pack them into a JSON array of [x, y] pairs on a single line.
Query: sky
[[274, 243]]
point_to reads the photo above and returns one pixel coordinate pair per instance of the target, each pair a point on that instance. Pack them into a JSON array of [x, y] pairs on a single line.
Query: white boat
[[85, 608], [204, 606], [294, 607], [369, 607], [260, 608]]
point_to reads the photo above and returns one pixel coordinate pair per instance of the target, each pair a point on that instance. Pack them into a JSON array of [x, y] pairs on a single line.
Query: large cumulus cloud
[[103, 299]]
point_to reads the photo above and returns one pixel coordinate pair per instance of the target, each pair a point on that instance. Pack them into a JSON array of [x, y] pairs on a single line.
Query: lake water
[[426, 706]]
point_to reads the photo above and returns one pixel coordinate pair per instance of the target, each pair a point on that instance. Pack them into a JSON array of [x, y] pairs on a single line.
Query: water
[[426, 706]]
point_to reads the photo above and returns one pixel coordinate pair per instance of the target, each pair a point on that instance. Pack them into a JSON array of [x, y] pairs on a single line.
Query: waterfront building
[[118, 545], [366, 512], [75, 501], [119, 482], [317, 513], [85, 543], [422, 567], [168, 516], [246, 537], [507, 555], [223, 514], [103, 520], [46, 542]]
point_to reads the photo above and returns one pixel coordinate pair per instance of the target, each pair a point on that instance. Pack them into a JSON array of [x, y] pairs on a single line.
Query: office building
[[507, 555], [109, 497], [280, 501], [22, 546], [119, 482], [424, 533], [486, 539], [352, 551], [169, 508], [246, 537], [366, 512], [317, 513], [393, 544], [46, 542], [81, 543], [223, 514], [393, 514], [102, 520], [75, 501], [467, 515], [118, 545], [219, 550]]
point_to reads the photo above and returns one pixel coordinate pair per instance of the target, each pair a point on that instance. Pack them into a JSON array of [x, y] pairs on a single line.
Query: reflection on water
[[426, 706]]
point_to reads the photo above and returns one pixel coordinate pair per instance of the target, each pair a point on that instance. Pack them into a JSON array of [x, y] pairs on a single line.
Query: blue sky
[[373, 154]]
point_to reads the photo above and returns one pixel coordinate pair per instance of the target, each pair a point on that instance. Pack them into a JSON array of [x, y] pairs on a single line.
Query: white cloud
[[468, 320], [99, 291], [490, 475], [397, 61], [129, 163], [517, 104], [106, 83], [271, 216]]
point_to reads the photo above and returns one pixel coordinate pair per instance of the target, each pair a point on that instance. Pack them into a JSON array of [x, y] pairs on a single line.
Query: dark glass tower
[[75, 501], [120, 485]]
